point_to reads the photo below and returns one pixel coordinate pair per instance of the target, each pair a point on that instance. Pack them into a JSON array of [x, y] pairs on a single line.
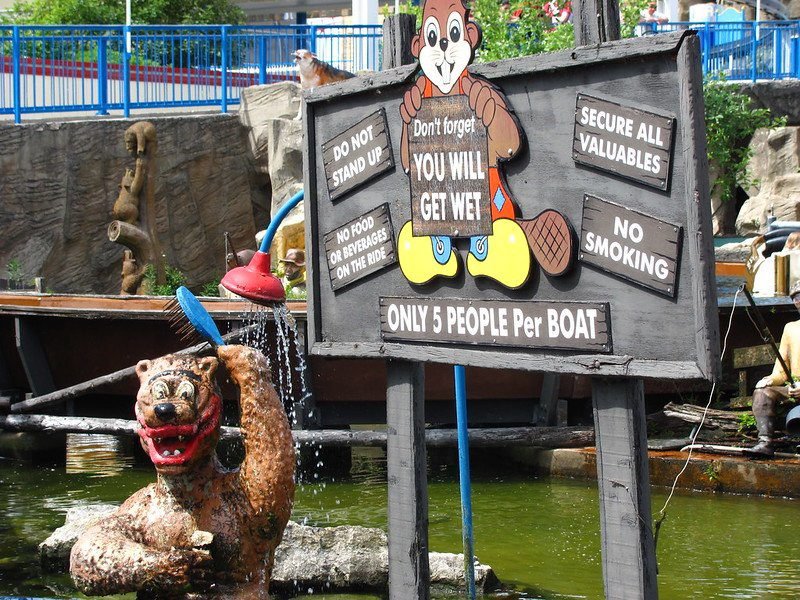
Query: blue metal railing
[[88, 68], [747, 50]]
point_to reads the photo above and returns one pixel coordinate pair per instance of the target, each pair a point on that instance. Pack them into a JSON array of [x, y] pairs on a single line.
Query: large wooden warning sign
[[547, 213]]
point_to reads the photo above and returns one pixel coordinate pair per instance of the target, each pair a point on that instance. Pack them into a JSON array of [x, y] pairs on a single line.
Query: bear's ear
[[474, 35], [142, 367], [208, 366], [415, 44]]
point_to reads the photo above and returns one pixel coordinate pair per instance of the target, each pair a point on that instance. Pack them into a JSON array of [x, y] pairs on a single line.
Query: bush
[[174, 280], [731, 121]]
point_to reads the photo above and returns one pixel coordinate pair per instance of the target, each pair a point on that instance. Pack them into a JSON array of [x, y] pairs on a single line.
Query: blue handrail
[[75, 68], [59, 68], [745, 50]]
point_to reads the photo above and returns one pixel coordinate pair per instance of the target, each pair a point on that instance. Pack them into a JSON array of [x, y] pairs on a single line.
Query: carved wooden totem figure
[[134, 208]]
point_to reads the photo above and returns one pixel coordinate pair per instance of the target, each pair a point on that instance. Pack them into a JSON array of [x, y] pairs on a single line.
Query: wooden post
[[623, 479], [595, 21], [397, 33], [409, 571]]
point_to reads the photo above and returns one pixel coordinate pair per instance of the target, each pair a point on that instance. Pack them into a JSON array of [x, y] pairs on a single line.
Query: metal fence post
[[313, 39], [777, 43], [706, 48], [754, 51], [16, 77], [102, 74], [262, 60], [126, 72], [224, 68], [796, 55]]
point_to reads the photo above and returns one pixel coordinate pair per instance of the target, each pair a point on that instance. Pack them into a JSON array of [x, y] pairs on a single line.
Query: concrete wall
[[59, 181]]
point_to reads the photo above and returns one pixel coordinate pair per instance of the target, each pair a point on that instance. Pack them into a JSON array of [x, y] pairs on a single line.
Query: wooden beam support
[[623, 480], [409, 571], [33, 357]]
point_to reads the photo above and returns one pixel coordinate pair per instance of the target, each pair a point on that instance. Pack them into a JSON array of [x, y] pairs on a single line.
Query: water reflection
[[97, 455]]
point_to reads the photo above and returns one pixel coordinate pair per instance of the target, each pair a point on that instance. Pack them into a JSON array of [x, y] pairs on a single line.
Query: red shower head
[[255, 281]]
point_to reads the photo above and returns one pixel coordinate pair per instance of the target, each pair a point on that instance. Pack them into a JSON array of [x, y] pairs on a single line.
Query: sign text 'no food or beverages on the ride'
[[358, 154], [360, 247], [448, 170], [624, 140]]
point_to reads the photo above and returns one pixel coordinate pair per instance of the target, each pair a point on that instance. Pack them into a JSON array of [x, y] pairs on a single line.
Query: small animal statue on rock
[[314, 72], [199, 531], [778, 387]]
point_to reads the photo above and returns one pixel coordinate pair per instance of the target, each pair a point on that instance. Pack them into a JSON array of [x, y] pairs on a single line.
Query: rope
[[663, 512]]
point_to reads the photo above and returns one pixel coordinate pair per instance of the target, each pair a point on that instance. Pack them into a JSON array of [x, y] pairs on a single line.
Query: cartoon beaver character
[[200, 525], [445, 46]]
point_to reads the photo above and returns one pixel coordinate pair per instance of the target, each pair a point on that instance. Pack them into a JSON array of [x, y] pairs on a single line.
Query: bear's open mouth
[[170, 445]]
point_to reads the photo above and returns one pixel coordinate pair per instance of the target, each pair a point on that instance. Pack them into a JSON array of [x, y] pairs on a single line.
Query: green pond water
[[540, 535]]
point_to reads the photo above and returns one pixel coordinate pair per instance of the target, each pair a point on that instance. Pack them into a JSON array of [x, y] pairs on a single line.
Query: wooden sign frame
[[346, 322]]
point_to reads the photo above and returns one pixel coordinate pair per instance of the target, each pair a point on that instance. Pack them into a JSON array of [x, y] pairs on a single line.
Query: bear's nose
[[166, 412], [443, 44]]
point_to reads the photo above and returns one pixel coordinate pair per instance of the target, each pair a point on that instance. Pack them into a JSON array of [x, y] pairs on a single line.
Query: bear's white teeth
[[166, 453], [181, 438], [176, 453]]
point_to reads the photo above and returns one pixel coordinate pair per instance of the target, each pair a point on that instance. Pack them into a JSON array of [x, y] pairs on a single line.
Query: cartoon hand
[[412, 102], [480, 99]]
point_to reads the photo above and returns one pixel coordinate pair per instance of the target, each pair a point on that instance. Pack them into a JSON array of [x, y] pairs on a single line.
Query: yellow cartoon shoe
[[425, 257], [503, 256]]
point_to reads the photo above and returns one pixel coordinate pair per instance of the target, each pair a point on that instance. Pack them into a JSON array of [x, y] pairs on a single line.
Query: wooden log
[[726, 420], [132, 237], [544, 437], [80, 389]]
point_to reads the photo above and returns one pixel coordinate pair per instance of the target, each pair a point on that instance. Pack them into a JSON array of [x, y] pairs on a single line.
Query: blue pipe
[[459, 373], [272, 228]]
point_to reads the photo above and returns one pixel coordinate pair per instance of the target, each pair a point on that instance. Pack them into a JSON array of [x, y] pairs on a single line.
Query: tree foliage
[[731, 121], [112, 12]]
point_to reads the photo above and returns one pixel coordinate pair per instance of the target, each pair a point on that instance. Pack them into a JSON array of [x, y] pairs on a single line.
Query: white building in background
[[360, 12]]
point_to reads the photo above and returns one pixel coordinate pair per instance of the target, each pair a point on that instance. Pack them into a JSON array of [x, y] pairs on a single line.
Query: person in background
[[559, 13], [777, 387], [294, 270], [651, 15]]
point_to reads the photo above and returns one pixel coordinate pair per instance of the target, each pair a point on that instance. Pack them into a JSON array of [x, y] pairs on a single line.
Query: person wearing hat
[[294, 270], [777, 387]]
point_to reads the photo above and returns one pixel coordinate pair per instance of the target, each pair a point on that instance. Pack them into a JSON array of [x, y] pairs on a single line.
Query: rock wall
[[275, 135], [775, 167], [59, 181]]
